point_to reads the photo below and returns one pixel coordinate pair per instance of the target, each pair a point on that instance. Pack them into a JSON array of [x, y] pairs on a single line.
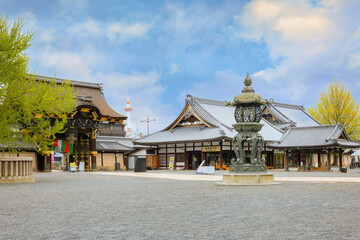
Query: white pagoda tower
[[128, 109]]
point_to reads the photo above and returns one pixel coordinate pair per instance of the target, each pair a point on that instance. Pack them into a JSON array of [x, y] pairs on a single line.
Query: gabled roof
[[117, 144], [89, 94], [112, 144], [315, 137], [217, 120], [291, 115], [186, 134]]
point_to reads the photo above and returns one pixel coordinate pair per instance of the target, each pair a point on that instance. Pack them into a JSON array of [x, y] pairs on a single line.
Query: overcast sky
[[156, 52]]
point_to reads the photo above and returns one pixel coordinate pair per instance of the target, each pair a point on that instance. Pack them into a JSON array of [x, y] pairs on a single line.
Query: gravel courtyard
[[86, 206]]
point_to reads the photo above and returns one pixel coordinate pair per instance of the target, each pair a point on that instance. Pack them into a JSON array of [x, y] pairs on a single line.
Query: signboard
[[211, 149], [72, 167], [172, 163], [82, 166]]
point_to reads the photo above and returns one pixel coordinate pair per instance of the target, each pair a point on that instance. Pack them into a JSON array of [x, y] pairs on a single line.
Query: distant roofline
[[271, 106], [207, 101], [292, 106], [72, 82], [319, 126], [207, 112], [288, 105]]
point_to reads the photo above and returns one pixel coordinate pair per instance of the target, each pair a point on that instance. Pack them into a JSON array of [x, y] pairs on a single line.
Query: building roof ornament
[[248, 95]]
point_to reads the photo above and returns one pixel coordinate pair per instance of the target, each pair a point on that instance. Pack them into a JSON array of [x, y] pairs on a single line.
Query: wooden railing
[[16, 169]]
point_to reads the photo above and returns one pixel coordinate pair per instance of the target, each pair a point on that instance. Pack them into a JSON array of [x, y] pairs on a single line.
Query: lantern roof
[[248, 95]]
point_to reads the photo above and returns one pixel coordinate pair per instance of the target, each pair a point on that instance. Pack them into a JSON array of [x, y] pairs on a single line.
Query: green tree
[[32, 111], [336, 105]]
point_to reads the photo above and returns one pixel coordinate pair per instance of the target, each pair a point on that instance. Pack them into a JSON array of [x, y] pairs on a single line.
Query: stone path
[[110, 205], [314, 177]]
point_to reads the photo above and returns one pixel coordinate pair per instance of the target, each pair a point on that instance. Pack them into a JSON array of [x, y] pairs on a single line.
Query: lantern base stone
[[247, 179], [247, 168]]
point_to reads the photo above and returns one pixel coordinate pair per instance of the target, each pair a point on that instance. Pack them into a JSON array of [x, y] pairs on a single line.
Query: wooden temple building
[[92, 117], [203, 131], [95, 132]]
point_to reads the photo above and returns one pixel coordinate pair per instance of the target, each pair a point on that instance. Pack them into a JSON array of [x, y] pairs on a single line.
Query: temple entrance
[[82, 153], [194, 160], [212, 159], [40, 162]]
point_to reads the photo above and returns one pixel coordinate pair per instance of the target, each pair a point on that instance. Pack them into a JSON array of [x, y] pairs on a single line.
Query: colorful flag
[[58, 147], [65, 146], [71, 148]]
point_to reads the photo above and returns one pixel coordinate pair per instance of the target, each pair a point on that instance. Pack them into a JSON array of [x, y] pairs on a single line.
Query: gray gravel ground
[[85, 206]]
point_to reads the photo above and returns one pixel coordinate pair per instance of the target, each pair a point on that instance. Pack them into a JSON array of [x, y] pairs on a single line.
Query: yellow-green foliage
[[336, 105], [25, 103]]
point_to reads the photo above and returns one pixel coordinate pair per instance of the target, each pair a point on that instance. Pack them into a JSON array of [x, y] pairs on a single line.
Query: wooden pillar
[[286, 164], [220, 155], [185, 158], [319, 159], [93, 149], [340, 158], [175, 156], [166, 159], [329, 160]]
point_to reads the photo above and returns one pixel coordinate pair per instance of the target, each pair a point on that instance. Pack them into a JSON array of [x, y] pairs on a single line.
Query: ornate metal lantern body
[[248, 114]]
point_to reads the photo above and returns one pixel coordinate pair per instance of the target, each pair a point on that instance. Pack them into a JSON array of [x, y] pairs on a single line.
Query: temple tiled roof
[[89, 94], [185, 134], [290, 114], [315, 137], [119, 144], [218, 120]]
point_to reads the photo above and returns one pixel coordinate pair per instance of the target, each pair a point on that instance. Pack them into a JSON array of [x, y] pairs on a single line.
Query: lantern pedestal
[[247, 179], [247, 168]]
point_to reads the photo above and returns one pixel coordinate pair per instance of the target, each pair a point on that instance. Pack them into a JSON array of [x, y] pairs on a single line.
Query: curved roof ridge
[[122, 144], [273, 126], [287, 105], [281, 114], [72, 82], [206, 112], [316, 126], [207, 101]]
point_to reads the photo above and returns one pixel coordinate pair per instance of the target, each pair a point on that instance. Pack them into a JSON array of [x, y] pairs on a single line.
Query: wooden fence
[[16, 169]]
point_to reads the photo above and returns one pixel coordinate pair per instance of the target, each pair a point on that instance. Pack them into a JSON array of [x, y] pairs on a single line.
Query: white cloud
[[304, 41], [30, 21], [226, 84], [69, 8], [114, 31], [89, 28], [122, 32], [287, 28], [173, 68], [46, 36]]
